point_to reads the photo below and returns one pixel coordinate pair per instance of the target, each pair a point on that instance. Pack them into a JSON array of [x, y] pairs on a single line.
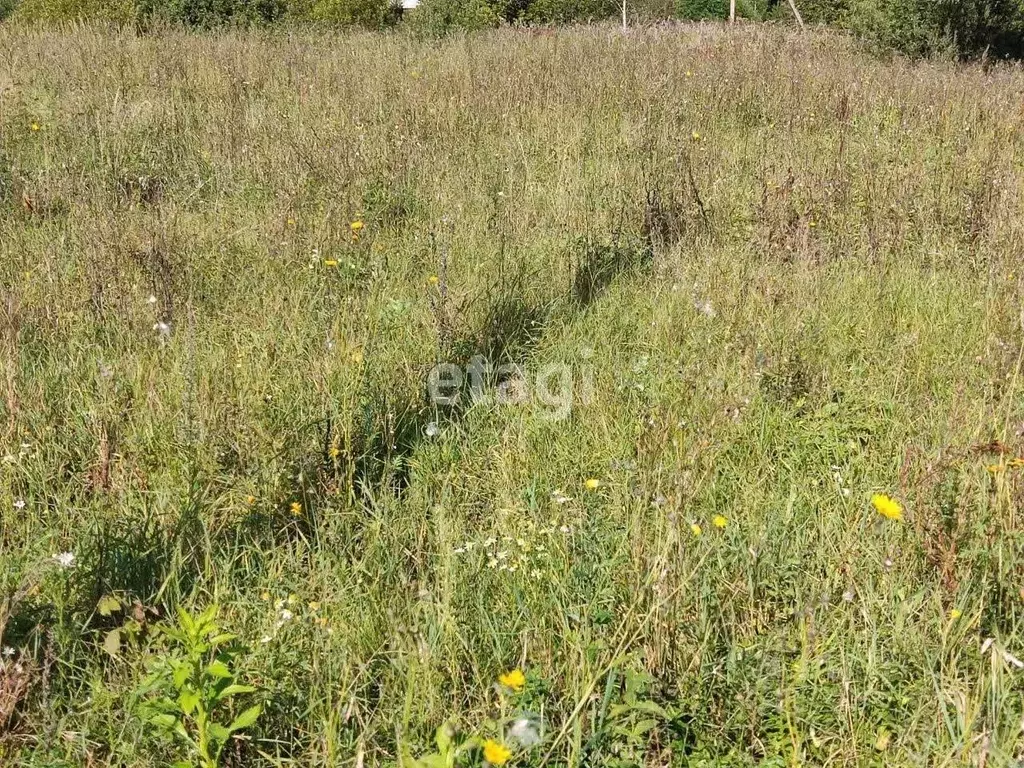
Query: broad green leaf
[[112, 642], [205, 622], [219, 732], [164, 721], [443, 739], [218, 669], [247, 718], [186, 621], [181, 673], [234, 690], [188, 701], [107, 605]]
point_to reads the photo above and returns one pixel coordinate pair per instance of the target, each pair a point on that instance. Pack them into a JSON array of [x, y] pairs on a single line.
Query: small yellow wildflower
[[592, 484], [296, 509], [35, 126], [496, 753], [719, 521], [335, 452], [356, 225], [697, 530], [264, 595], [888, 508], [695, 136], [357, 357], [291, 222], [432, 280], [689, 73], [955, 614], [330, 262], [514, 679], [293, 599], [995, 469], [250, 500]]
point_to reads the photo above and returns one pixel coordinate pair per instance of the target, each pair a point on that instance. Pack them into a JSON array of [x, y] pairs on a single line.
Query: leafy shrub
[[565, 11], [438, 17], [921, 27], [979, 26], [700, 10], [121, 11], [208, 13], [364, 13]]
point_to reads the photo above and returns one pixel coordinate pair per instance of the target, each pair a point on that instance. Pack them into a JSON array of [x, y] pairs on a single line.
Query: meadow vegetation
[[784, 276], [951, 28]]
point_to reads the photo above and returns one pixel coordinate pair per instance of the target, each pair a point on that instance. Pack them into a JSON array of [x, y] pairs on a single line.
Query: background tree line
[[965, 28]]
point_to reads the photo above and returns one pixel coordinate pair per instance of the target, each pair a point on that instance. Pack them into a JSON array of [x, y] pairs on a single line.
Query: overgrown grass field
[[750, 280]]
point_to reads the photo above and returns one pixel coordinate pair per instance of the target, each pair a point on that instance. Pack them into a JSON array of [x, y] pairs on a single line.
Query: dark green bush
[[966, 28], [121, 11], [208, 13], [567, 11], [438, 17], [365, 13]]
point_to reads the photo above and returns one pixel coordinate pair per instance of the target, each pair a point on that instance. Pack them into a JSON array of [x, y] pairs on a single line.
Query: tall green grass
[[789, 272]]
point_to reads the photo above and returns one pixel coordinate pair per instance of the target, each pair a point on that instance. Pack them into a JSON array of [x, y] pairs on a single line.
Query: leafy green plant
[[191, 682], [438, 17], [624, 727], [451, 751]]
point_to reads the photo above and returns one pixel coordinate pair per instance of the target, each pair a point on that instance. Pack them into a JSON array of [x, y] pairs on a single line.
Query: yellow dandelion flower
[[335, 452], [35, 126], [514, 679], [496, 753], [719, 521], [689, 73], [330, 262], [995, 469], [291, 222], [250, 500], [296, 509], [433, 280], [695, 136], [356, 225], [888, 508], [592, 484], [955, 614], [697, 530]]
